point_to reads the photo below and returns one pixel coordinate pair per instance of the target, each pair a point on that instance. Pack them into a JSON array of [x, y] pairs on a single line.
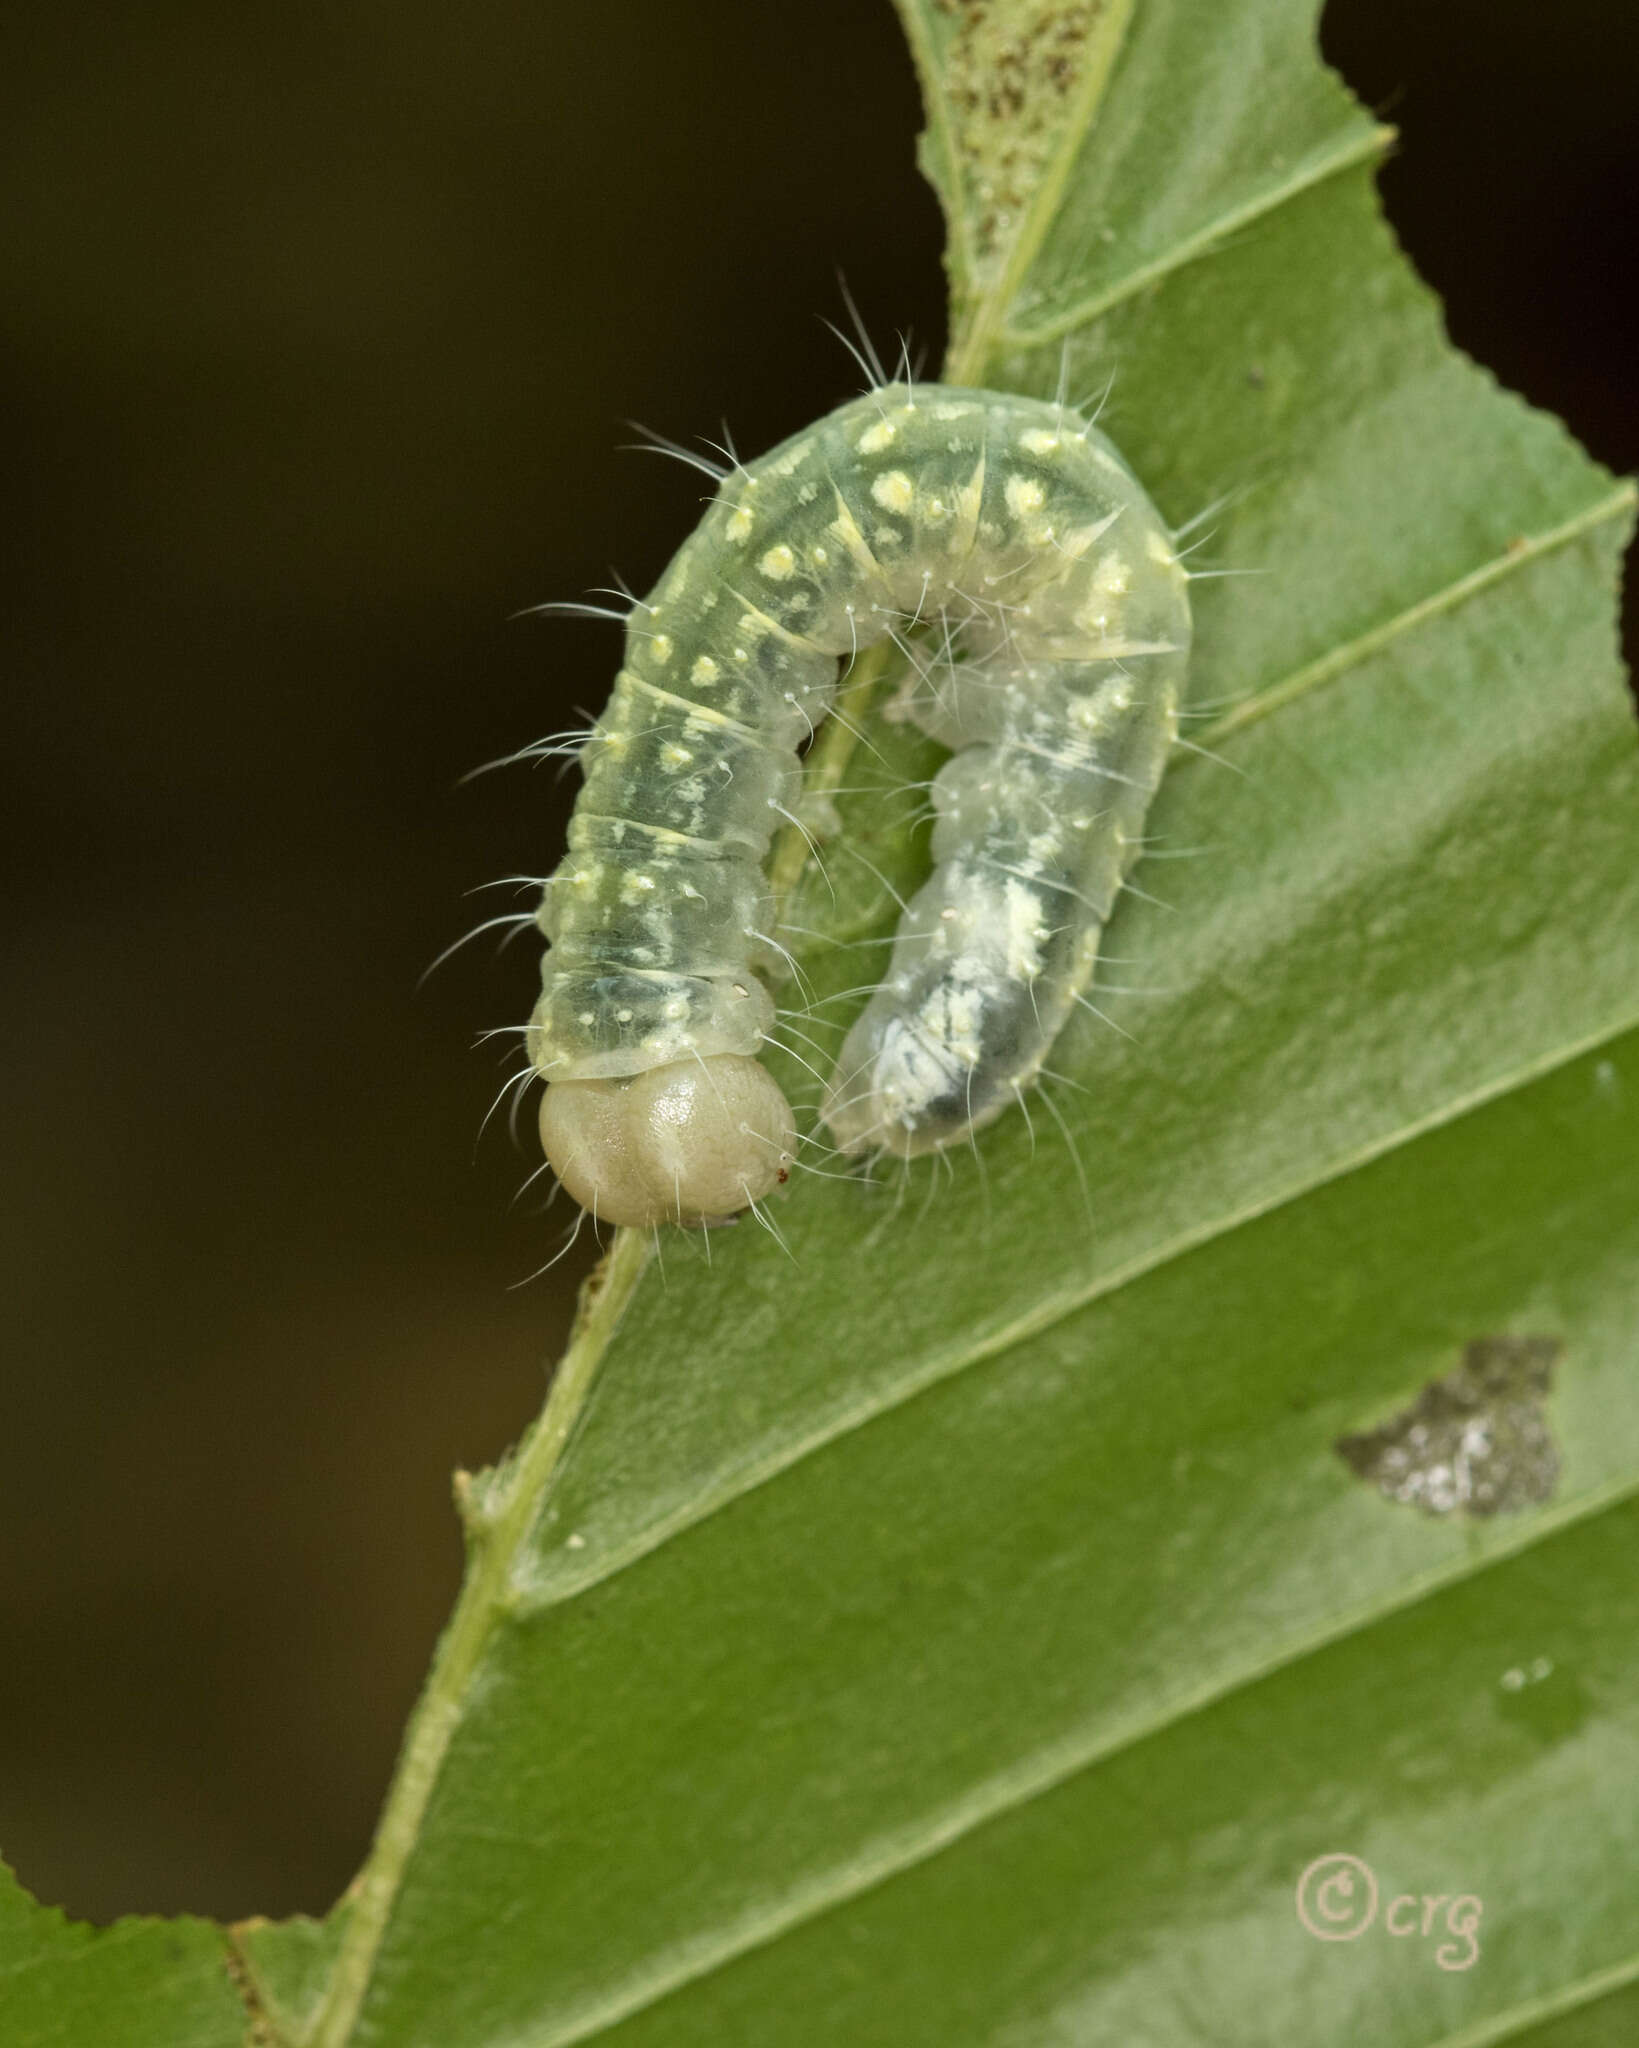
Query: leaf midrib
[[983, 315]]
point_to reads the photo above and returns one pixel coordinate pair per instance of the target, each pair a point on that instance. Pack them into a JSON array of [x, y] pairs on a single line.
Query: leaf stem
[[500, 1517], [827, 762]]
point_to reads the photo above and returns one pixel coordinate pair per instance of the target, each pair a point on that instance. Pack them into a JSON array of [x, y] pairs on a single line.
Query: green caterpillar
[[1015, 524]]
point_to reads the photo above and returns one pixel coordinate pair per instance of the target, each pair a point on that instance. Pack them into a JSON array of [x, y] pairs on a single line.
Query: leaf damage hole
[[1475, 1442]]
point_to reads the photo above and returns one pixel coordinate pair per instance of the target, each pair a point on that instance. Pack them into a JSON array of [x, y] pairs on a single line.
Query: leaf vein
[[1358, 148], [1552, 2005], [938, 1367], [1040, 1775], [1351, 653]]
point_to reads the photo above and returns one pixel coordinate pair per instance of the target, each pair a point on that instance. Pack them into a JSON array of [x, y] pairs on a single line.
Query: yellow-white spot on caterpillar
[[740, 525], [1039, 441], [954, 412], [955, 1019], [634, 887], [705, 670], [778, 563], [819, 556], [875, 439], [1114, 577], [807, 494], [1158, 549], [894, 491], [1024, 932], [676, 758], [1024, 496]]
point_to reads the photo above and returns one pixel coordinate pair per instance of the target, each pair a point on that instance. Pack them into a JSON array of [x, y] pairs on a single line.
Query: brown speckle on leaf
[[1475, 1442], [1007, 73]]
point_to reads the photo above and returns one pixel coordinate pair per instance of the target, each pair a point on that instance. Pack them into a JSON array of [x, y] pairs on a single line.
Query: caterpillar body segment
[[1015, 527]]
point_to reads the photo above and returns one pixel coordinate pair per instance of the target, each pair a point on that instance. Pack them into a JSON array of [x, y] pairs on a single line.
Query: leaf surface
[[956, 1623], [139, 1983]]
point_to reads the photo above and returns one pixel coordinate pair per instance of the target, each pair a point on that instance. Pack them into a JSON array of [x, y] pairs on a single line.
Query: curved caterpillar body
[[1019, 526]]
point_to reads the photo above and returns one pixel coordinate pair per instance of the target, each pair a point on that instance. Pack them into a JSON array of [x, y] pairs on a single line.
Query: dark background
[[321, 325]]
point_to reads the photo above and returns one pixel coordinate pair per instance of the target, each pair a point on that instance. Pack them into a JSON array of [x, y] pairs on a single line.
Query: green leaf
[[136, 1984], [957, 1624]]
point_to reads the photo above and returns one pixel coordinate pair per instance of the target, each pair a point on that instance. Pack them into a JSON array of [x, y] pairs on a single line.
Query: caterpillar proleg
[[1016, 525]]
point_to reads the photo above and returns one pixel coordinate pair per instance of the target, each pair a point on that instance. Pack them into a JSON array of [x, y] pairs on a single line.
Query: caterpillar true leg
[[1018, 532]]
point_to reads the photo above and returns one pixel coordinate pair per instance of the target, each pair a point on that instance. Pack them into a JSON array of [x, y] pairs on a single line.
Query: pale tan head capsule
[[687, 1143]]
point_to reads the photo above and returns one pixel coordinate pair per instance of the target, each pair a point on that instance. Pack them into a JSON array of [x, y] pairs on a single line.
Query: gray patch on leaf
[[1009, 74], [1476, 1442]]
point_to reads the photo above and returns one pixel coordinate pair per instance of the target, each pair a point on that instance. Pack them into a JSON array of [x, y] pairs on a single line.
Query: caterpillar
[[1017, 526]]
